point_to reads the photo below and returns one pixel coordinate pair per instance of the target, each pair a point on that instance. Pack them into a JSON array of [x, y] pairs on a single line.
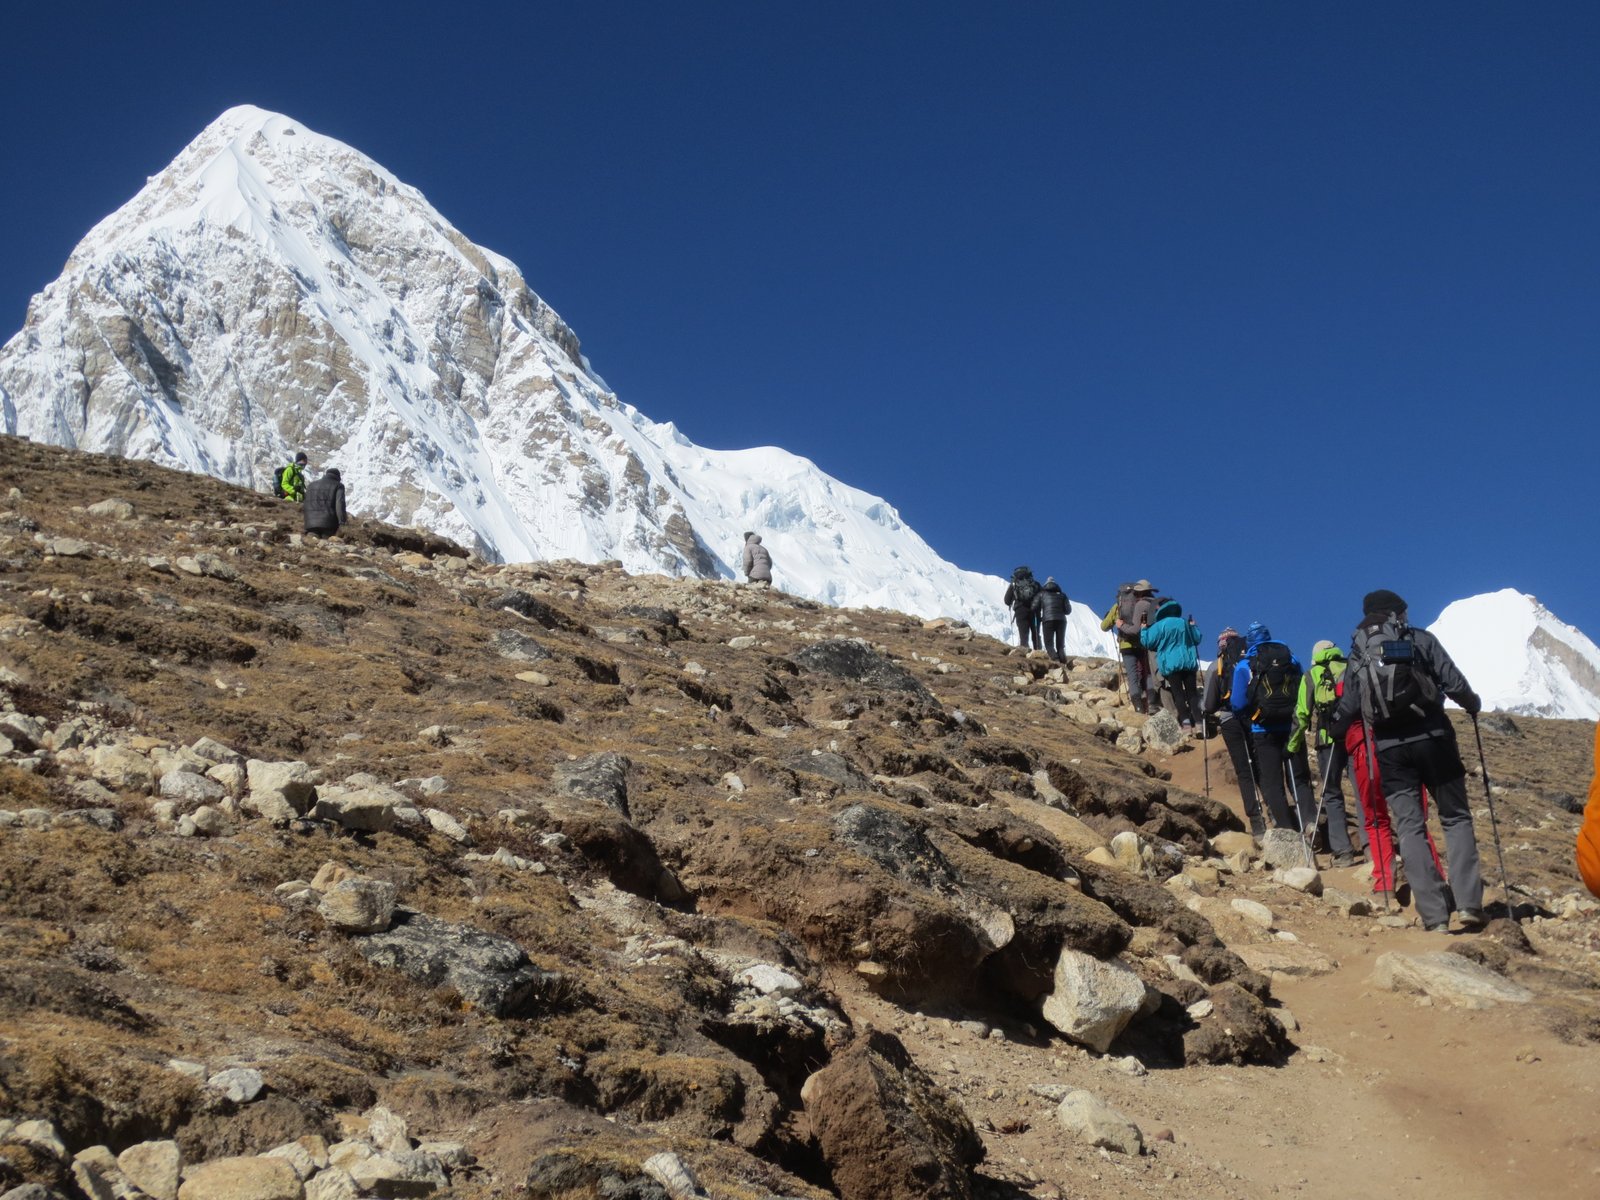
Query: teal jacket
[[1173, 639]]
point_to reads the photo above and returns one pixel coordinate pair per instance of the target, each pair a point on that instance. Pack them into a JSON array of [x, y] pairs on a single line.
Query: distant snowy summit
[[1520, 657], [273, 289]]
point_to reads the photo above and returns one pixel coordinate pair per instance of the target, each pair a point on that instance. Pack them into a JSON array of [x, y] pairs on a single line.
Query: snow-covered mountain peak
[[273, 290], [1520, 657]]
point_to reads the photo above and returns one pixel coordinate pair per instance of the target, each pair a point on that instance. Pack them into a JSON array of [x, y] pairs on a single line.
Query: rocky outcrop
[[886, 1130]]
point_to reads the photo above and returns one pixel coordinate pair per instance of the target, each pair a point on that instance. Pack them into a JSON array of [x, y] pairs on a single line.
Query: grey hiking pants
[[1431, 760], [1335, 762]]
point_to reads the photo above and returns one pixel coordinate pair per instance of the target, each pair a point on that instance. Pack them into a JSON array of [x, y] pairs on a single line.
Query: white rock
[[279, 791], [387, 1130], [208, 822], [768, 980], [186, 788], [1254, 912], [1092, 1001], [368, 809], [672, 1173], [443, 822], [1301, 879], [332, 1184], [214, 752], [154, 1168], [114, 507], [1098, 1124], [1447, 977], [238, 1084]]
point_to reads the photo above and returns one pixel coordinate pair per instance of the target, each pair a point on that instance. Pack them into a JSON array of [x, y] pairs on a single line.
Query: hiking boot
[[1472, 918], [1345, 860], [1437, 927]]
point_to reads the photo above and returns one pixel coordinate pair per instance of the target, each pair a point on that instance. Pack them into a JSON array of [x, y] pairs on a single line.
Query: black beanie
[[1382, 601]]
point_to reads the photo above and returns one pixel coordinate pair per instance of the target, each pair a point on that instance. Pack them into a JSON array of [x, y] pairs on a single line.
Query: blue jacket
[[1240, 699], [1173, 639]]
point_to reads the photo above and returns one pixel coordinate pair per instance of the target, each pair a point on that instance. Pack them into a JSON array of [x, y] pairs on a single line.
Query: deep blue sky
[[1273, 303]]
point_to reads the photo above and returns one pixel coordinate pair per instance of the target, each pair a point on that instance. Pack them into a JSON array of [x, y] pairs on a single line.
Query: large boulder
[[279, 791], [1238, 1030], [257, 1178], [1092, 1000], [490, 972], [358, 905], [853, 660], [1446, 977], [602, 778], [886, 1130]]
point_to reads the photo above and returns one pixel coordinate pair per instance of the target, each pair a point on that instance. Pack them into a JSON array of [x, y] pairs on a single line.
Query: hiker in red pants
[[1375, 814]]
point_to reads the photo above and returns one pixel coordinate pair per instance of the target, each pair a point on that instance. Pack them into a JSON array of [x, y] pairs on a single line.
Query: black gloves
[[1473, 704]]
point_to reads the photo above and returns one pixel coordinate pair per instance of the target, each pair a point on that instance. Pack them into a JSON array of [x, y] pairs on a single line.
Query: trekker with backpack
[[1051, 606], [289, 482], [1395, 686], [1019, 598], [1133, 610], [1265, 685], [1313, 716], [1215, 702], [1174, 638]]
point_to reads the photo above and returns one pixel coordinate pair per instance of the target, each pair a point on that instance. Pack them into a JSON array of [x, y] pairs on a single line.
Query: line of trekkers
[[1376, 714]]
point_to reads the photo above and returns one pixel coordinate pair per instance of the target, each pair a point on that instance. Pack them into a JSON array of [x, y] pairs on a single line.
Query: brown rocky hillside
[[360, 867]]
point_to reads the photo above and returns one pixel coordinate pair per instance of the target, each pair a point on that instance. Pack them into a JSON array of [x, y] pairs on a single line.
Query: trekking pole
[[1205, 750], [1255, 779], [1299, 817], [1494, 825]]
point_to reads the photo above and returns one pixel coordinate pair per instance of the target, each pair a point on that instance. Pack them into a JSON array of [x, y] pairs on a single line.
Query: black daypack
[[1226, 663], [1023, 590], [277, 483], [1274, 685], [1397, 688]]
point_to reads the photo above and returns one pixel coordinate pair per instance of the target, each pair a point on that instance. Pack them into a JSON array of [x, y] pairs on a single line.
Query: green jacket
[[293, 482], [1327, 668]]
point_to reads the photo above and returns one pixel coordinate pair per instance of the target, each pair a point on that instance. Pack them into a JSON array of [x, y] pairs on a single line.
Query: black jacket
[[1051, 603], [1437, 662], [324, 506]]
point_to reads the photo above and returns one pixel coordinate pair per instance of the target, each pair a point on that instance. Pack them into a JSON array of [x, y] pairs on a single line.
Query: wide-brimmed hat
[[1144, 585]]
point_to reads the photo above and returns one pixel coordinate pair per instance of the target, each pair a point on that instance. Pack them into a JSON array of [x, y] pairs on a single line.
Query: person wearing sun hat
[[1133, 610]]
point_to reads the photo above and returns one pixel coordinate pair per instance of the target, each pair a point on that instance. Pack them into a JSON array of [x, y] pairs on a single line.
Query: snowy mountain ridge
[[273, 290], [1520, 657]]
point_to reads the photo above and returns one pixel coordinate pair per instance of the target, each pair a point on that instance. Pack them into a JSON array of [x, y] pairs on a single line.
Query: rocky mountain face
[[273, 290], [362, 867]]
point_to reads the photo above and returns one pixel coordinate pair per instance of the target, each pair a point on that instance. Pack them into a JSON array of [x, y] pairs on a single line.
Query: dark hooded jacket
[[324, 506], [1051, 604]]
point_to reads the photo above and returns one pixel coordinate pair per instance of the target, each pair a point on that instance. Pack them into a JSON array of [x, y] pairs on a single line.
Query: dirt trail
[[1415, 1099]]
